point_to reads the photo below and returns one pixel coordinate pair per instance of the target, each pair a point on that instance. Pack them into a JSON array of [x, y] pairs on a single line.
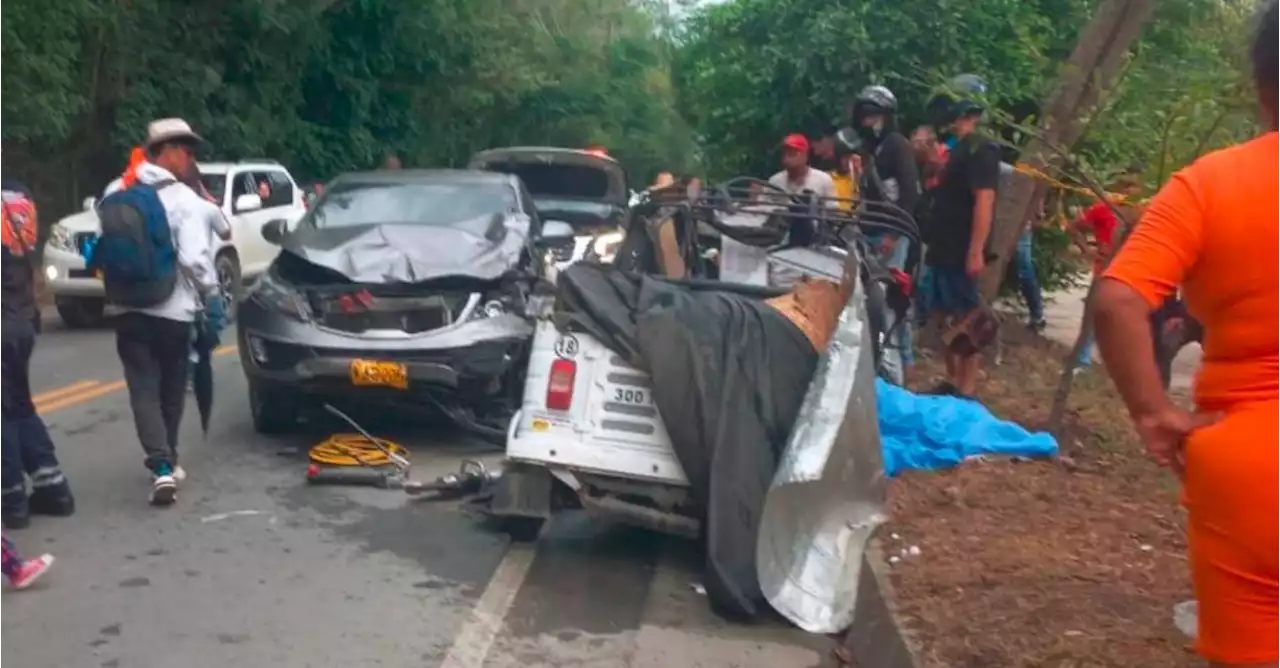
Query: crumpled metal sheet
[[409, 253], [827, 497]]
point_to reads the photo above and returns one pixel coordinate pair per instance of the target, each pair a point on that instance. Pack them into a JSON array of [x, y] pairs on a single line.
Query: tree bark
[[1098, 56]]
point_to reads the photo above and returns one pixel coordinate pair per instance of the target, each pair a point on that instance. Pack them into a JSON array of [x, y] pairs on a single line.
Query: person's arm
[[983, 179], [1078, 229], [218, 221], [1149, 267], [194, 254]]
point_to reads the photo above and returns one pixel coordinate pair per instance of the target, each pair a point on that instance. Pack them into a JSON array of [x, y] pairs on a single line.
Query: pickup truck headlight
[[606, 245], [279, 297], [60, 239]]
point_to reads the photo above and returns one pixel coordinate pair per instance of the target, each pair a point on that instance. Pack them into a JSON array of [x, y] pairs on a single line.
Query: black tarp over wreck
[[729, 374]]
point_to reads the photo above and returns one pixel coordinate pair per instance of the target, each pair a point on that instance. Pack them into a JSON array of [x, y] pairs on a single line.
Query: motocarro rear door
[[621, 403]]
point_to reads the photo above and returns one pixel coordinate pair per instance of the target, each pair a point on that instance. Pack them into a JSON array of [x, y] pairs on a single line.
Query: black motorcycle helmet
[[961, 95], [874, 101]]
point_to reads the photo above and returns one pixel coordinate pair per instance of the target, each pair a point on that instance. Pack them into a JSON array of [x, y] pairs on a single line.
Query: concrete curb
[[878, 638]]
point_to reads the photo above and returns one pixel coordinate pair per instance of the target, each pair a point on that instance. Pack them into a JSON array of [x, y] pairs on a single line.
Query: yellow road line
[[63, 391], [87, 390], [81, 398]]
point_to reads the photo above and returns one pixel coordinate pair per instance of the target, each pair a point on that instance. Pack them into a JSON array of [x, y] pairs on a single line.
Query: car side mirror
[[89, 203], [273, 231], [248, 202], [556, 234]]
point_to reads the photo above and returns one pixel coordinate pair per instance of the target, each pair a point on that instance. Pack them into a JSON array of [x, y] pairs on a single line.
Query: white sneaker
[[179, 474], [164, 490]]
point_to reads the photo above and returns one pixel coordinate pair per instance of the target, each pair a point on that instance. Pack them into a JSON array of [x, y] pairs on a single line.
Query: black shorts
[[950, 291]]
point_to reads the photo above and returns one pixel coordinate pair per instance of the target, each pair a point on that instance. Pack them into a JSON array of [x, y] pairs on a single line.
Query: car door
[[278, 195], [246, 225]]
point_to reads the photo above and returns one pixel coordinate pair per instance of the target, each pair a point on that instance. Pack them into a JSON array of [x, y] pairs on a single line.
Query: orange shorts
[[1230, 491]]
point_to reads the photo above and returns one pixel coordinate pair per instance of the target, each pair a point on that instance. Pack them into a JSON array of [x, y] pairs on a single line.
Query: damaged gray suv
[[399, 287]]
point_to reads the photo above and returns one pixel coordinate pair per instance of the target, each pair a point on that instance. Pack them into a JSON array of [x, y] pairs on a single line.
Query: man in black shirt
[[27, 448], [962, 207], [895, 177], [890, 176]]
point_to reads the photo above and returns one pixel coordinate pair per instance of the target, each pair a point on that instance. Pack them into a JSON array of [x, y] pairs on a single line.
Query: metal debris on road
[[218, 517]]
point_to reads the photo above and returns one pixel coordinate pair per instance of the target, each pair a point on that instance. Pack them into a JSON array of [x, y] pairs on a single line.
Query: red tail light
[[560, 384]]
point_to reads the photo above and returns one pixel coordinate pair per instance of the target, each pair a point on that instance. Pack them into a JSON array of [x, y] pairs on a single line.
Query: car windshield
[[435, 204], [558, 181], [216, 184]]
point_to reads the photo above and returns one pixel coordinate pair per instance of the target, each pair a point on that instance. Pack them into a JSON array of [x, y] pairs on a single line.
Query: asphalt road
[[254, 568]]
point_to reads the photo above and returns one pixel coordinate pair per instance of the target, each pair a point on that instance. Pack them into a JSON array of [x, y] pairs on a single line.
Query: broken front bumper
[[281, 350]]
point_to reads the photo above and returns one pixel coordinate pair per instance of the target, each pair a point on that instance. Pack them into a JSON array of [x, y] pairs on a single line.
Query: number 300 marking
[[629, 396]]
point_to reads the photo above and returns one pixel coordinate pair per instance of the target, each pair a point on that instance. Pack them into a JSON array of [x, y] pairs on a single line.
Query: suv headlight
[[279, 297], [497, 303], [60, 239]]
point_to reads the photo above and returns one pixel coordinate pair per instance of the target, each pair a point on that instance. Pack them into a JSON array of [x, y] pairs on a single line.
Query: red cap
[[797, 142]]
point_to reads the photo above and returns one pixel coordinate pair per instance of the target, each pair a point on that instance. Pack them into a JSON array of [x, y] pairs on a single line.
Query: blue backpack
[[135, 251]]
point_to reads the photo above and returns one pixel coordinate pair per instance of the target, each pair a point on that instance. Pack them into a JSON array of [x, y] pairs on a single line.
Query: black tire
[[273, 411], [522, 529], [227, 268], [80, 312]]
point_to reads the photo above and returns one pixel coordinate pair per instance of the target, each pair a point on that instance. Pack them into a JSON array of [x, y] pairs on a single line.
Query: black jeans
[[154, 354], [27, 447]]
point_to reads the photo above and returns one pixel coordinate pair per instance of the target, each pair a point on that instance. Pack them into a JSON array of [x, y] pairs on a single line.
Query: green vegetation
[[332, 85]]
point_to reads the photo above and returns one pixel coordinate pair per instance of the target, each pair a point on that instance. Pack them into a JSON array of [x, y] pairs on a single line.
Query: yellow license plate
[[372, 373]]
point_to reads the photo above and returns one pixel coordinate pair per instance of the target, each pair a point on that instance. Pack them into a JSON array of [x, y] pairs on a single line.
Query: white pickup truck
[[250, 193]]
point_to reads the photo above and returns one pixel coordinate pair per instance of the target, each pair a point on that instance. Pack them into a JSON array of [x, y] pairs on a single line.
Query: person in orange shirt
[[1214, 230], [136, 157]]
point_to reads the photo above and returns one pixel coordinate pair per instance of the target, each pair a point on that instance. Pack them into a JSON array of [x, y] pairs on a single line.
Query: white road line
[[472, 643]]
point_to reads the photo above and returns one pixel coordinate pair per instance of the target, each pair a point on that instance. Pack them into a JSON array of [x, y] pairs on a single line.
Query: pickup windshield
[[431, 204]]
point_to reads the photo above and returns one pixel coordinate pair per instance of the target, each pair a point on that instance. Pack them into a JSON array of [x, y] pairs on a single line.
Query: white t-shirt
[[815, 180], [819, 183]]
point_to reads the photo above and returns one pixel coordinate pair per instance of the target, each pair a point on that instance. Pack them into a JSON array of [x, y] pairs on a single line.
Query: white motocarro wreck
[[680, 404]]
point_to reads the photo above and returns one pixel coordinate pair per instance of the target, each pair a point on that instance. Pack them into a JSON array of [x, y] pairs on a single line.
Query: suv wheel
[[273, 411], [228, 270], [80, 312]]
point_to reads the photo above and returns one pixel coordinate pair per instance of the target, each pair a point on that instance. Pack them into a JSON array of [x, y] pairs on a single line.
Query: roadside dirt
[[1072, 562]]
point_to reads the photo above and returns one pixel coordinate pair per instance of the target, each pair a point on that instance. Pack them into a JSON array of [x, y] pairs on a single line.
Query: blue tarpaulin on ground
[[937, 432]]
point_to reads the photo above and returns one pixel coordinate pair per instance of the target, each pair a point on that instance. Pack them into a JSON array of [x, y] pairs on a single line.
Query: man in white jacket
[[154, 342]]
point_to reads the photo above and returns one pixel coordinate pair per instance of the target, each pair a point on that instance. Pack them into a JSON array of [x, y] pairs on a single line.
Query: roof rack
[[751, 196]]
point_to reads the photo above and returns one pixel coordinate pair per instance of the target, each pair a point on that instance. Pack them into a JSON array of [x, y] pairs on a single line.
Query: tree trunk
[[1099, 54]]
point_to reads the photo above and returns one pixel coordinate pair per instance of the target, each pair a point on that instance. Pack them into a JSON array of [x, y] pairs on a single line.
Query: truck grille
[[562, 253], [411, 315]]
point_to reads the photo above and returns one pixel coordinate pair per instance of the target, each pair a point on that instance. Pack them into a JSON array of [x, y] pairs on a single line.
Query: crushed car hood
[[409, 253]]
